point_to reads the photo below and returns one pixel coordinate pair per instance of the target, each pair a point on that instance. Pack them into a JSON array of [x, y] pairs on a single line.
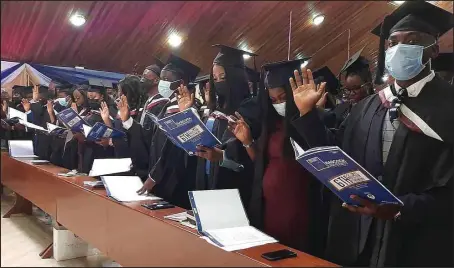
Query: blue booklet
[[343, 175], [100, 130], [186, 130], [71, 120]]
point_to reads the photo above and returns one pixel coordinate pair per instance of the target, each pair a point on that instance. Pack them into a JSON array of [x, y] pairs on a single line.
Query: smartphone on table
[[278, 255]]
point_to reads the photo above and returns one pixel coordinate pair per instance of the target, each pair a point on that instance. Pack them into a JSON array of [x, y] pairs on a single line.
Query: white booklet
[[124, 188], [13, 113], [21, 148], [220, 216], [110, 166], [31, 125]]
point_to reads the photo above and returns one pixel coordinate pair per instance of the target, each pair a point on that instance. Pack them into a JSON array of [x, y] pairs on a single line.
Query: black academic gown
[[172, 169], [139, 137], [419, 170], [42, 141], [90, 150], [221, 177]]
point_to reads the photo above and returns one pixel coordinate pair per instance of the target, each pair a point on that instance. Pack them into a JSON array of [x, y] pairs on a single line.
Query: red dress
[[285, 188]]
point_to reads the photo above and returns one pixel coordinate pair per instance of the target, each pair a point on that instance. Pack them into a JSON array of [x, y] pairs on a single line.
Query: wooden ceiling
[[118, 34]]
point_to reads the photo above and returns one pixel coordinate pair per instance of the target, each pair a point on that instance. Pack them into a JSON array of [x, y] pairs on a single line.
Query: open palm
[[185, 98], [123, 108], [305, 92], [241, 129]]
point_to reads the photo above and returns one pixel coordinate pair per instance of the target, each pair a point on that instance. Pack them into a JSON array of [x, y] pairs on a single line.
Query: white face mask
[[280, 108], [164, 89]]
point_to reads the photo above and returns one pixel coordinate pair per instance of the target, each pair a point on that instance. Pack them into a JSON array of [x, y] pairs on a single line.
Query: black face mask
[[221, 88], [94, 104]]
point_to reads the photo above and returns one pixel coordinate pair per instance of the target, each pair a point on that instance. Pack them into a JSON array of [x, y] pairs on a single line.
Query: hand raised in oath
[[185, 98], [123, 107], [240, 129], [305, 92]]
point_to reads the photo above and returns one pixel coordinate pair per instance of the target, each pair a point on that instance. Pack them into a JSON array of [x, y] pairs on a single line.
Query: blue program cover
[[72, 120], [344, 176], [100, 130], [186, 130]]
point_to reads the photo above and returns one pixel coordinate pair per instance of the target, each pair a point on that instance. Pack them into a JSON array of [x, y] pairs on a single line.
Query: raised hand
[[207, 93], [74, 106], [240, 129], [50, 107], [185, 98], [322, 101], [35, 95], [104, 111], [5, 106], [123, 108], [26, 104], [305, 93]]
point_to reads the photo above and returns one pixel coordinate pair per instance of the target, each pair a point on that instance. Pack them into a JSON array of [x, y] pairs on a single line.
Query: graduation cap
[[22, 90], [97, 85], [229, 56], [356, 62], [156, 67], [444, 62], [185, 69], [277, 74], [324, 74], [202, 80], [418, 16]]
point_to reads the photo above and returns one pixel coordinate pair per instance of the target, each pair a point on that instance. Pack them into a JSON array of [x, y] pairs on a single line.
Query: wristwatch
[[248, 145]]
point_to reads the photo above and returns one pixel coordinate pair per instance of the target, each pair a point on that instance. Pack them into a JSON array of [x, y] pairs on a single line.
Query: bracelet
[[249, 145]]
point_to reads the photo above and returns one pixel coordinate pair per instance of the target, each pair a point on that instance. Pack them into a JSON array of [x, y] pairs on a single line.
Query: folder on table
[[124, 188], [21, 148], [110, 166]]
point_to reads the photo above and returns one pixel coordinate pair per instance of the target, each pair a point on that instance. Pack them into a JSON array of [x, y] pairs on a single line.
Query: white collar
[[415, 88]]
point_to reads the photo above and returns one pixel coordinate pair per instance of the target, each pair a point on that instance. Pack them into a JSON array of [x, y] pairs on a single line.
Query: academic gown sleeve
[[43, 141]]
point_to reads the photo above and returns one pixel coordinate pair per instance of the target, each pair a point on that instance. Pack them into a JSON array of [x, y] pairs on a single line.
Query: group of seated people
[[410, 153]]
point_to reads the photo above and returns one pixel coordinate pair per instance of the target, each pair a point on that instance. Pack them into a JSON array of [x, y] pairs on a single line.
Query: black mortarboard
[[277, 74], [444, 62], [418, 16], [156, 67], [324, 74], [22, 90], [97, 86], [184, 68], [202, 80], [355, 62], [229, 56]]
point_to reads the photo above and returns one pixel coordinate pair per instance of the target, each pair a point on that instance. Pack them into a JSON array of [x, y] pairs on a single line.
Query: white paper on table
[[16, 113], [239, 235], [110, 166], [21, 148], [124, 188], [237, 247]]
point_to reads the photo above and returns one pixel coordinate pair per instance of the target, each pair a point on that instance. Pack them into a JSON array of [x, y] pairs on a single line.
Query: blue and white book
[[343, 175], [186, 130], [72, 120], [100, 130], [220, 217]]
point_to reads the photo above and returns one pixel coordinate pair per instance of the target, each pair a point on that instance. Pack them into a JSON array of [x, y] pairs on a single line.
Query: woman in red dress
[[286, 200]]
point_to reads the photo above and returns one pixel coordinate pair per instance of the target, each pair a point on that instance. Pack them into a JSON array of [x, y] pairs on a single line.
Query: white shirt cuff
[[128, 123], [28, 112]]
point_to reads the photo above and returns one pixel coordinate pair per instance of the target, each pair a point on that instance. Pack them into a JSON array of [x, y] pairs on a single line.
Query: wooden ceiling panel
[[118, 34]]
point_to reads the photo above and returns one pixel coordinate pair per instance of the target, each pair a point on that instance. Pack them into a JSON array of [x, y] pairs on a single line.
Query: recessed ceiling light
[[77, 20], [385, 78], [398, 2], [174, 40], [317, 20], [304, 64], [246, 56], [79, 67]]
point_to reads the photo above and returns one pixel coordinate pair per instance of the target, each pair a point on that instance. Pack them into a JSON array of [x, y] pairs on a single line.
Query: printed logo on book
[[347, 180], [320, 165]]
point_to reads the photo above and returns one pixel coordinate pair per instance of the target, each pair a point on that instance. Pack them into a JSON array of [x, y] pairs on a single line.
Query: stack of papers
[[124, 188], [72, 173], [110, 166], [183, 218], [18, 148], [229, 230]]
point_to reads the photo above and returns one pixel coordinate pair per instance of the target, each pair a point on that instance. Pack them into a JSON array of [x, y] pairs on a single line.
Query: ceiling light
[[317, 20], [174, 40], [79, 67], [246, 56], [385, 78], [304, 64], [398, 2], [77, 20]]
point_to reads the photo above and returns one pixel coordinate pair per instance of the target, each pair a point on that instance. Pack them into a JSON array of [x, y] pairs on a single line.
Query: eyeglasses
[[350, 91]]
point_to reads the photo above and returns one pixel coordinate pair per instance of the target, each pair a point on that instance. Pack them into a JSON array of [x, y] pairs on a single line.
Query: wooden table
[[125, 232]]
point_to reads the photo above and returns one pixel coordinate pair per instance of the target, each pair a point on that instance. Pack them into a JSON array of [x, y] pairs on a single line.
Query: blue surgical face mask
[[280, 108], [164, 89], [62, 101], [404, 62]]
